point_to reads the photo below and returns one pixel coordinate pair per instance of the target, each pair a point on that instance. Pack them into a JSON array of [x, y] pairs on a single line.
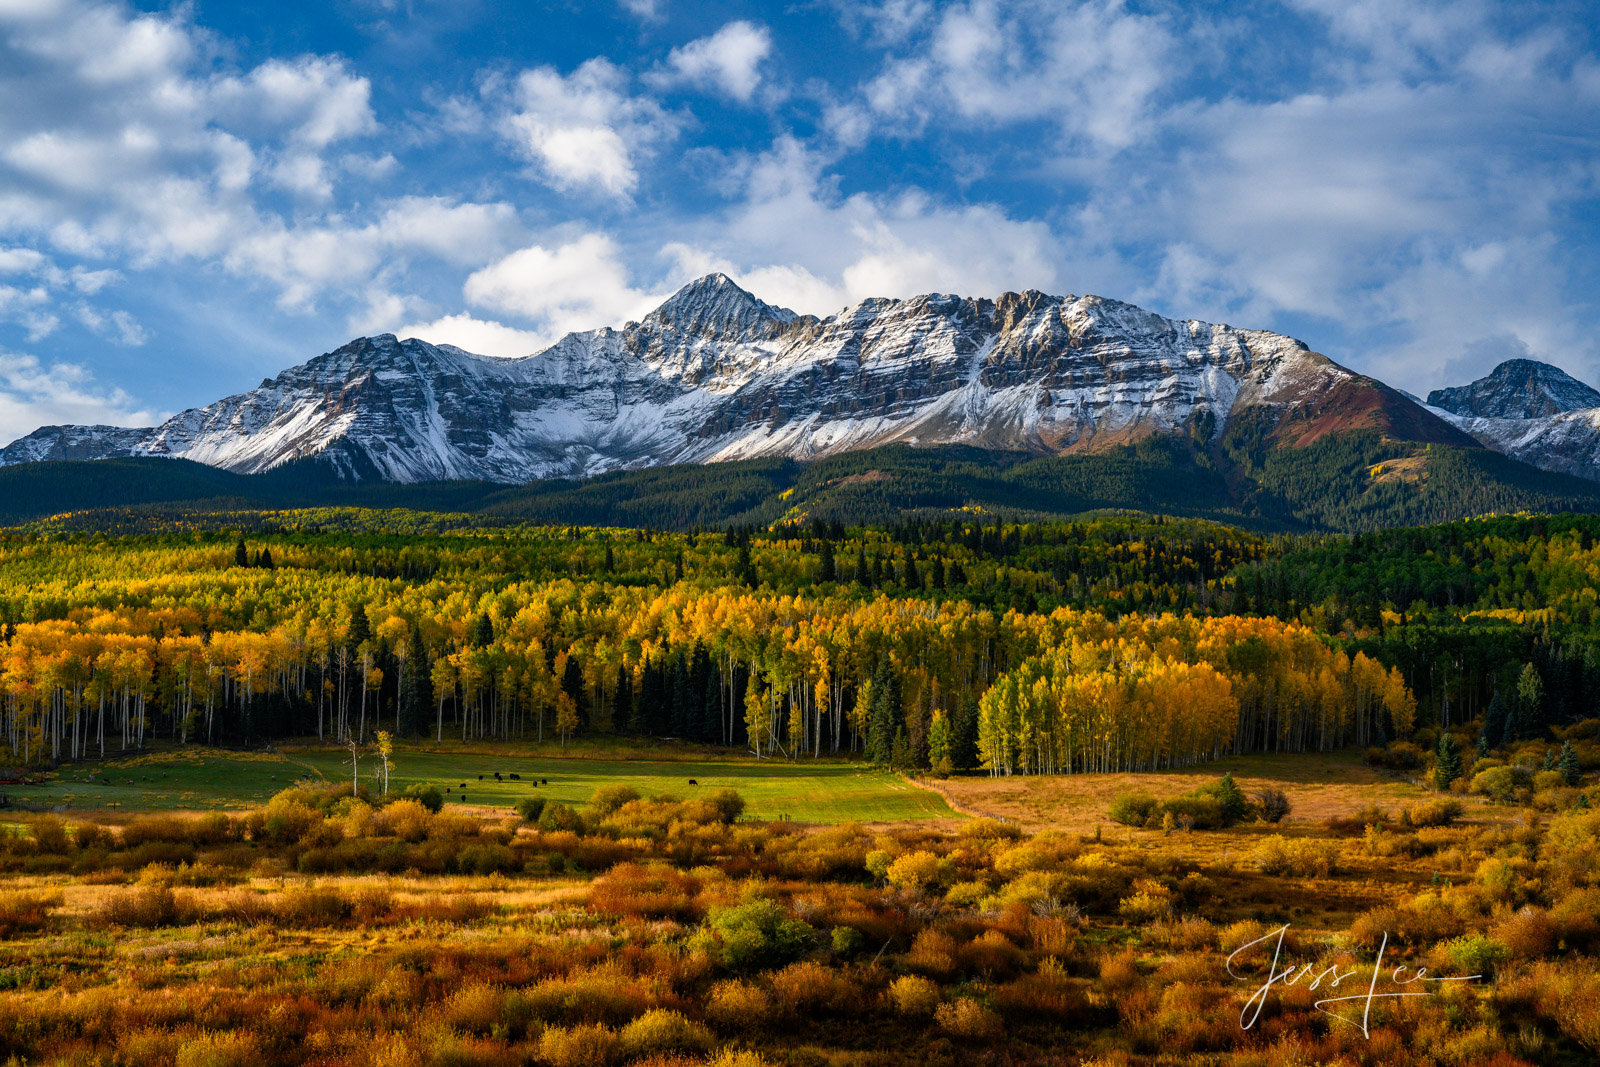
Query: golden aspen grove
[[729, 640]]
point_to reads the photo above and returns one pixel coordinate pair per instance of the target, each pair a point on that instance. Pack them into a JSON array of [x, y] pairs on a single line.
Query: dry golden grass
[[1318, 786]]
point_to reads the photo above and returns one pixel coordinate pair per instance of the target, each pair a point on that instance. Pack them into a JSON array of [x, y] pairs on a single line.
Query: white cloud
[[477, 335], [729, 60], [584, 129], [793, 241], [1092, 68], [579, 285], [33, 394], [315, 98]]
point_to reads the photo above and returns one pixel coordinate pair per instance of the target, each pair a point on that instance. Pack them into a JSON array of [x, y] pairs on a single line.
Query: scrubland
[[330, 929]]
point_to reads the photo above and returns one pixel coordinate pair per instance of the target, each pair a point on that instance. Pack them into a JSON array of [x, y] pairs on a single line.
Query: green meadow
[[193, 779]]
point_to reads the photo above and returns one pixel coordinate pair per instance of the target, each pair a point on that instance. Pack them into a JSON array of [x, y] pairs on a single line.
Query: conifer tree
[[1494, 722], [826, 570], [1447, 762], [241, 555], [1571, 774]]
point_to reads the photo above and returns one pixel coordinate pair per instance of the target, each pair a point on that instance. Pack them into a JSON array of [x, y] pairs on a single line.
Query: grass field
[[198, 780]]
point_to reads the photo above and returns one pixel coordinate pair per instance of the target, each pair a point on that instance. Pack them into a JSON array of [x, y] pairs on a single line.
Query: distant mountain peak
[[1517, 389], [716, 306]]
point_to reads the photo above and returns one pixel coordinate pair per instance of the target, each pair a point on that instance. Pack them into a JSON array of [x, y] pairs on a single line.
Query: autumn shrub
[[1273, 805], [408, 818], [475, 1009], [1144, 907], [758, 933], [599, 994], [810, 987], [1576, 916], [233, 1048], [1443, 811], [990, 830], [141, 906], [968, 1019], [608, 798], [21, 911], [585, 1045], [914, 996], [560, 817], [1300, 857], [933, 952], [660, 1030], [311, 906], [1476, 954], [1119, 971], [487, 858], [653, 891], [1132, 809], [530, 808], [1527, 933], [1356, 823], [425, 794], [1499, 784], [919, 871], [739, 1005]]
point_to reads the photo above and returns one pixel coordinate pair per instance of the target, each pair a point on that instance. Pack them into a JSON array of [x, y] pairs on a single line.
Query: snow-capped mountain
[[716, 374], [1517, 389], [1530, 411]]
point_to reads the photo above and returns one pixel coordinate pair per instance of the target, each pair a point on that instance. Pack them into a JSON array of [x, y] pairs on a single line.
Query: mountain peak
[[716, 306], [1517, 389]]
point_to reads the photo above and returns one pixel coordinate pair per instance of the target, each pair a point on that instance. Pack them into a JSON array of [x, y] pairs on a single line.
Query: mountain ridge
[[716, 374]]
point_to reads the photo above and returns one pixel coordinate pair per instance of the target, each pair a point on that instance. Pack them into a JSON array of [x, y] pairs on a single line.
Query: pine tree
[[883, 716], [1483, 744], [1235, 806], [611, 561], [482, 632], [1571, 773], [1494, 722], [1530, 704], [416, 686], [964, 740], [241, 555], [862, 575], [826, 570], [266, 559], [623, 715], [1447, 762]]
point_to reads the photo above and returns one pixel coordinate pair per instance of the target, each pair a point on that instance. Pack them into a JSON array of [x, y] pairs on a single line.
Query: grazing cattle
[[544, 781], [463, 785], [693, 782], [515, 777], [480, 777], [497, 777]]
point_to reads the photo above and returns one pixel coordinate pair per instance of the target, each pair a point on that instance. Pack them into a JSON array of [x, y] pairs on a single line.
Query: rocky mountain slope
[[716, 374], [1530, 411], [1517, 389]]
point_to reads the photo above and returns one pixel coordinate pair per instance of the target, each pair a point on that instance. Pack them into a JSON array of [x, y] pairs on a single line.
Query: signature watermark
[[1379, 984]]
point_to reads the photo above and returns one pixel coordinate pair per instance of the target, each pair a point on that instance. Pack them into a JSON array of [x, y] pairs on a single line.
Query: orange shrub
[[644, 891], [968, 1019], [738, 1005]]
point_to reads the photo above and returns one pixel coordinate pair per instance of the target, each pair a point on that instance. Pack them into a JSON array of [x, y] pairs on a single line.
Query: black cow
[[693, 782]]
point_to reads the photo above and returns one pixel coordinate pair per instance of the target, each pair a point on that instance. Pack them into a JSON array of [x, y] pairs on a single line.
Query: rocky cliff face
[[716, 374]]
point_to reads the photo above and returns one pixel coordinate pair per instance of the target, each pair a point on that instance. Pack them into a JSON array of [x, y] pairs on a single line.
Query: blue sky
[[195, 196]]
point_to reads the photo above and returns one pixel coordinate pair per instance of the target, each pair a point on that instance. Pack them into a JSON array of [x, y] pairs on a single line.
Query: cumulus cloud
[[1092, 68], [584, 130], [579, 285], [482, 336], [34, 394], [728, 61], [793, 240]]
